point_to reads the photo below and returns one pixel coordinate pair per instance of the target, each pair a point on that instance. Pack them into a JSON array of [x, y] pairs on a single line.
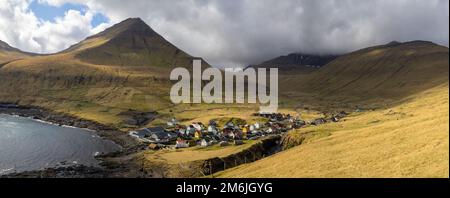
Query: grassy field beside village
[[409, 139]]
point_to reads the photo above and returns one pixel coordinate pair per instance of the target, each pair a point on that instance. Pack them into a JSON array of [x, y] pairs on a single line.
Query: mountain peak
[[135, 26], [130, 43], [133, 20]]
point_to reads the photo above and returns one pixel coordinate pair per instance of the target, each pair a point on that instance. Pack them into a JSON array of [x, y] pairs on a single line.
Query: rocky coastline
[[111, 164]]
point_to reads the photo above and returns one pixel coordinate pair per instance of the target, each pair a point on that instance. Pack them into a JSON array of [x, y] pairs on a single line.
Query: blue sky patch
[[99, 19], [47, 12]]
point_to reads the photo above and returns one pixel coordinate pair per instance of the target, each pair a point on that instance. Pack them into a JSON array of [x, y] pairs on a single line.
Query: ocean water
[[27, 144]]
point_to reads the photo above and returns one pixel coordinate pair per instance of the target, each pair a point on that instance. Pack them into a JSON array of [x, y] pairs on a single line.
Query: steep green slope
[[8, 53], [400, 130], [124, 67], [130, 43], [382, 73]]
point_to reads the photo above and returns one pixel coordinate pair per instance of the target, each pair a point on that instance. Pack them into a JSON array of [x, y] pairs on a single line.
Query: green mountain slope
[[386, 72], [401, 129], [130, 43], [124, 67], [8, 53]]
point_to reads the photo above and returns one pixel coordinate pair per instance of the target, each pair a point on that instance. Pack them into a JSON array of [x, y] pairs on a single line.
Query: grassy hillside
[[125, 67], [378, 75], [402, 131], [410, 139], [130, 43], [8, 53]]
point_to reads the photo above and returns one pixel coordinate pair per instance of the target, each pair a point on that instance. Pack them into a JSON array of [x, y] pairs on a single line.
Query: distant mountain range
[[297, 61]]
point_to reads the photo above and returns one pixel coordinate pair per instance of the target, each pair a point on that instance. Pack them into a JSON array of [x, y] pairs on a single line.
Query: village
[[175, 135]]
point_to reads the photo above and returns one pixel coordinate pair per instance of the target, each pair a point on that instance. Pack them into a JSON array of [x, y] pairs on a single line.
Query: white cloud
[[22, 29], [243, 32]]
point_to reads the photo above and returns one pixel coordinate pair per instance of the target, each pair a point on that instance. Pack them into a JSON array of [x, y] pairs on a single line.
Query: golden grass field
[[410, 139]]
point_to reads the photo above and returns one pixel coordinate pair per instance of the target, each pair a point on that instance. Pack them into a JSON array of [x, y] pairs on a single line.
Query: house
[[190, 130], [198, 134], [181, 144], [212, 123], [204, 143], [212, 129], [231, 135], [139, 134], [197, 127], [173, 122], [335, 119], [298, 124], [252, 127], [230, 127], [318, 121], [245, 130], [153, 135], [146, 132]]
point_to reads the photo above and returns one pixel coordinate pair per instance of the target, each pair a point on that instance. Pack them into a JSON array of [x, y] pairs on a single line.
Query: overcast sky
[[231, 32]]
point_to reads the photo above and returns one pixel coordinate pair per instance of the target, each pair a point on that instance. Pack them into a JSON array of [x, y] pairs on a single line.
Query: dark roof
[[155, 129], [149, 131]]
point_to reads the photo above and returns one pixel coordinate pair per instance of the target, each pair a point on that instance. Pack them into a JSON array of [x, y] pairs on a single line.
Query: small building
[[190, 130], [212, 123], [173, 122], [318, 121], [204, 143], [197, 126], [198, 134], [181, 144], [153, 135], [252, 127], [212, 129]]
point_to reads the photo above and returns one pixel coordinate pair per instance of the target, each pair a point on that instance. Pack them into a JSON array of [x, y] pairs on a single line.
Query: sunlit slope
[[125, 67], [130, 43], [401, 132], [388, 72], [95, 92], [8, 53], [410, 139]]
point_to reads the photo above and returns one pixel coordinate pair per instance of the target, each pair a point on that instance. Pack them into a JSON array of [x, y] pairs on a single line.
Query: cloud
[[21, 28], [238, 33]]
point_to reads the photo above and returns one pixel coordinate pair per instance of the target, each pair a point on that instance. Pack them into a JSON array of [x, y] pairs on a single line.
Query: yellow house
[[244, 132], [198, 134]]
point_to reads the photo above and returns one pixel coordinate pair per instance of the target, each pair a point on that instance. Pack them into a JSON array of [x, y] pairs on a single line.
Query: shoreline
[[109, 164], [64, 120]]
